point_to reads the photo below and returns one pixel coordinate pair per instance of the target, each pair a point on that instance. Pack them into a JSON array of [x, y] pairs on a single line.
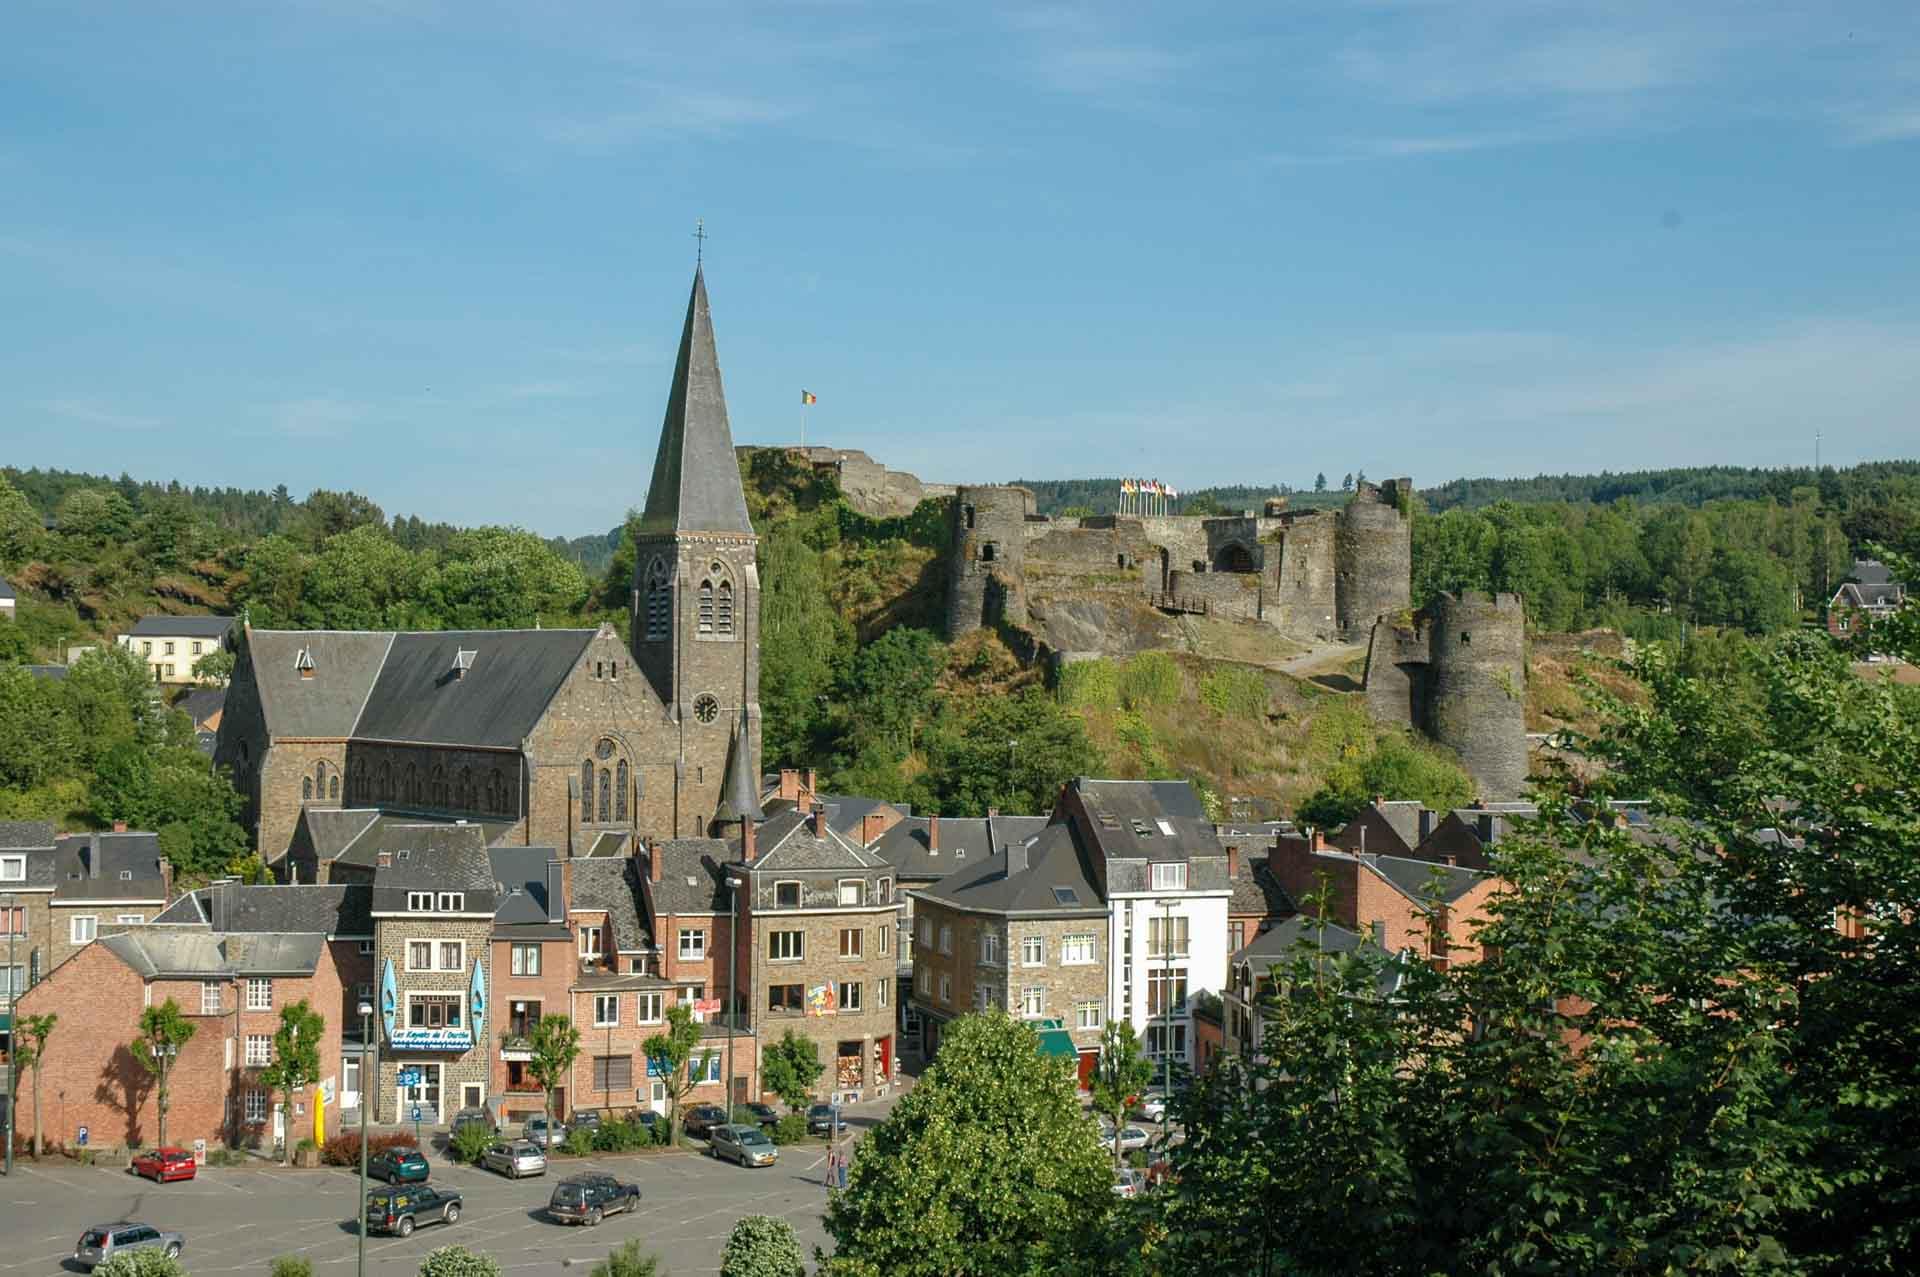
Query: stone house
[[27, 881], [1024, 930], [817, 917], [103, 881], [550, 737]]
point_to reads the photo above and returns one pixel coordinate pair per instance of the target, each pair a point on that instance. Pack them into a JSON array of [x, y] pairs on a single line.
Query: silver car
[[520, 1157], [738, 1142], [99, 1244]]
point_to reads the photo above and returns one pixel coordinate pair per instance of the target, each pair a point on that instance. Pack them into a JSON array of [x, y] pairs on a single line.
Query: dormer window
[[456, 901], [420, 902], [1170, 877], [463, 661], [303, 662]]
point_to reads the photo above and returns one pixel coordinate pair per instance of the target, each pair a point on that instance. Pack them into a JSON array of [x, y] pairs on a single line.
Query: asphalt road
[[238, 1219]]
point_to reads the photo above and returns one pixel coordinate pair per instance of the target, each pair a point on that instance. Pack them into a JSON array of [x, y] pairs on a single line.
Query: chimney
[[383, 860], [1450, 859], [222, 903], [790, 784], [1233, 863], [1380, 932], [166, 879], [119, 826], [653, 859], [566, 892], [557, 891], [1379, 800], [813, 782], [1319, 840], [817, 822], [993, 813], [872, 825], [747, 835], [933, 834], [1477, 803], [93, 855]]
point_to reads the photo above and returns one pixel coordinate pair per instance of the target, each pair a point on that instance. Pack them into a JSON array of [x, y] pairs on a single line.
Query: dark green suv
[[589, 1198], [396, 1210]]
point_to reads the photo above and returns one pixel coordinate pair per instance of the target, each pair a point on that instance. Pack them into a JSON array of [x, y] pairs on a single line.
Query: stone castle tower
[[986, 580], [696, 583], [1457, 671]]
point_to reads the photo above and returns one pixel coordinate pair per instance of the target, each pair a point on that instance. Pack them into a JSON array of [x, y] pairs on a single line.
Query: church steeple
[[696, 481]]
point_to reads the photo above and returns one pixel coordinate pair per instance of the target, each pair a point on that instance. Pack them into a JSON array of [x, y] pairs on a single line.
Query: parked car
[[1128, 1182], [399, 1166], [587, 1199], [763, 1114], [649, 1119], [1152, 1106], [99, 1244], [587, 1120], [702, 1118], [536, 1129], [739, 1142], [823, 1119], [515, 1158], [1131, 1137], [398, 1209], [474, 1117], [163, 1164]]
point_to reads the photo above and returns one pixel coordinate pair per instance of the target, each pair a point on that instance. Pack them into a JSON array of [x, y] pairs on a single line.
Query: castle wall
[[1304, 599], [1479, 674], [1396, 680], [1373, 560], [1233, 595], [987, 578]]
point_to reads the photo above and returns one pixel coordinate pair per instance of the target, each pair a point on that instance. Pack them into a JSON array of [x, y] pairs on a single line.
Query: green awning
[[1055, 1040]]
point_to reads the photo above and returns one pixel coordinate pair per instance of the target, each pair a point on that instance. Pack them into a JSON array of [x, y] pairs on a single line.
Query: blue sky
[[439, 252]]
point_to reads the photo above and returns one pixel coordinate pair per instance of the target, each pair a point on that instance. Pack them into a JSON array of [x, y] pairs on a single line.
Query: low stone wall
[[1234, 595]]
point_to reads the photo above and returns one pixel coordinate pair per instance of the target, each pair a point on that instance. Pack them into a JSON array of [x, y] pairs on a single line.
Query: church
[[571, 739]]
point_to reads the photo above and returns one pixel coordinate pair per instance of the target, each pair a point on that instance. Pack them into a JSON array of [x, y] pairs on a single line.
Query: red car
[[163, 1164]]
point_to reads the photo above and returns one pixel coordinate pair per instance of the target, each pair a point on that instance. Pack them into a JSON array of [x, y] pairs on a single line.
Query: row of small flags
[[1152, 487]]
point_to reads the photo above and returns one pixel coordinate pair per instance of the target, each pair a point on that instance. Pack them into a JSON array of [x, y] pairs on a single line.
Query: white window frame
[[255, 1105], [259, 994], [926, 933], [589, 940], [1033, 951], [946, 989], [451, 902], [606, 1010], [524, 958], [1069, 943], [693, 943], [440, 955], [884, 889], [923, 982], [211, 1001], [130, 919], [1033, 1001], [364, 948], [1173, 941], [648, 1008], [859, 936], [858, 887], [411, 965], [444, 997], [419, 902], [799, 894], [13, 981], [1170, 875], [799, 948], [847, 995], [946, 940], [74, 928], [886, 939], [259, 1050], [13, 868], [880, 992], [1087, 1015]]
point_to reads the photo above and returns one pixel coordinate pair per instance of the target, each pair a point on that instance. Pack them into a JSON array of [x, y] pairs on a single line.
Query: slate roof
[[395, 833], [614, 885], [1871, 572], [1374, 831], [1147, 820], [17, 835], [90, 867], [964, 840], [441, 868], [704, 861], [202, 703], [1257, 891], [158, 626], [1875, 597], [523, 872], [845, 812], [741, 799], [612, 843], [514, 676], [333, 829], [338, 910], [345, 665], [696, 480], [188, 954], [1054, 862], [787, 842], [1280, 943], [1416, 878]]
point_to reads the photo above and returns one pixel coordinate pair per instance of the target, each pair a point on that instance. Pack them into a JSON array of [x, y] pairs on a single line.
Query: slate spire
[[696, 480], [740, 800]]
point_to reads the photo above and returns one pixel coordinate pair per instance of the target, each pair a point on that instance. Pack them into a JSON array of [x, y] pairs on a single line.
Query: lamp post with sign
[[366, 1095]]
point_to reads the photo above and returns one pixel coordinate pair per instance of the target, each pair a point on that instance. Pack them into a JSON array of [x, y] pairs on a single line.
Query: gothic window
[[386, 781], [320, 779], [410, 787], [706, 606], [496, 792], [723, 615], [306, 789], [465, 800], [333, 787], [586, 791], [606, 796], [620, 791], [439, 785], [659, 599]]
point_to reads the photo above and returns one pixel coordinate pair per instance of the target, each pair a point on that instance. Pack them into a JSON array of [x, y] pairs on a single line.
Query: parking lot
[[238, 1219]]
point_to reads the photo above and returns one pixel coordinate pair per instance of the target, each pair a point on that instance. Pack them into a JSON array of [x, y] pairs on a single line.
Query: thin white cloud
[[91, 412]]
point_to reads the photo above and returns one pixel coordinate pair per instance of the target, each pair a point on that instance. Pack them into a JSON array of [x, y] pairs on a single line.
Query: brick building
[[557, 737], [1428, 908]]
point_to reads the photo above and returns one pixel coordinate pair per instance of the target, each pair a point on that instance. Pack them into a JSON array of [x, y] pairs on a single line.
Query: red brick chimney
[[790, 784], [1450, 859], [747, 849], [933, 833], [1233, 863], [383, 860], [653, 859], [817, 821], [813, 783], [993, 813], [166, 879], [872, 825], [1379, 800], [1319, 840], [119, 826]]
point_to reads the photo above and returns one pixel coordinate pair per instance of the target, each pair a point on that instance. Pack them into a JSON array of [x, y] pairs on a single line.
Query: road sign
[[81, 1139], [409, 1077], [416, 1112]]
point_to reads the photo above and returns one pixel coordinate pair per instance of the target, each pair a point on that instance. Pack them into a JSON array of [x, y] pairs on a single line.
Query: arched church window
[[320, 777], [723, 614], [620, 791], [659, 599], [385, 790], [586, 792], [606, 796], [410, 784], [333, 787], [706, 606], [465, 797], [439, 785], [306, 789]]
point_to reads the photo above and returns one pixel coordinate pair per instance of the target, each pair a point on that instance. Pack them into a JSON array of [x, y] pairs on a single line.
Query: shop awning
[[1055, 1040]]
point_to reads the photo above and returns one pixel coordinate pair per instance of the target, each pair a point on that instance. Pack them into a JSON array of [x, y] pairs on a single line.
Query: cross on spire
[[700, 234]]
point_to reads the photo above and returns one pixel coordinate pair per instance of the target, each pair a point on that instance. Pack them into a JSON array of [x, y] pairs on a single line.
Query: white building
[[172, 645]]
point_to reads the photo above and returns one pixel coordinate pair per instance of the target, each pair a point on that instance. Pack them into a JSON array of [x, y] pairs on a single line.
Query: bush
[[1235, 691], [628, 1260], [344, 1149], [1090, 685], [291, 1266], [469, 1142], [790, 1129], [579, 1142], [458, 1261], [146, 1262], [762, 1246], [1151, 678]]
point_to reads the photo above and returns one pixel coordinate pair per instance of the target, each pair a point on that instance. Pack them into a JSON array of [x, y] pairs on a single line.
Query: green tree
[[19, 526], [986, 1166], [790, 1068], [96, 516], [291, 1266], [670, 1057], [458, 1261], [552, 1048], [1346, 483], [762, 1246], [628, 1259], [163, 1031], [216, 665], [1320, 482], [1011, 753], [1122, 1074], [296, 1061], [30, 1034]]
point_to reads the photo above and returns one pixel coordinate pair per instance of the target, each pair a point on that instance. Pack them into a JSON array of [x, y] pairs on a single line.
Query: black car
[[587, 1120], [702, 1118], [474, 1117], [762, 1113], [587, 1199], [398, 1209], [399, 1166], [823, 1119]]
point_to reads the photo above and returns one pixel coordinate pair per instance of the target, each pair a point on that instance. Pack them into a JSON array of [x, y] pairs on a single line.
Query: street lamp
[[164, 1055], [13, 1031], [733, 994], [366, 1094], [1166, 1018]]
